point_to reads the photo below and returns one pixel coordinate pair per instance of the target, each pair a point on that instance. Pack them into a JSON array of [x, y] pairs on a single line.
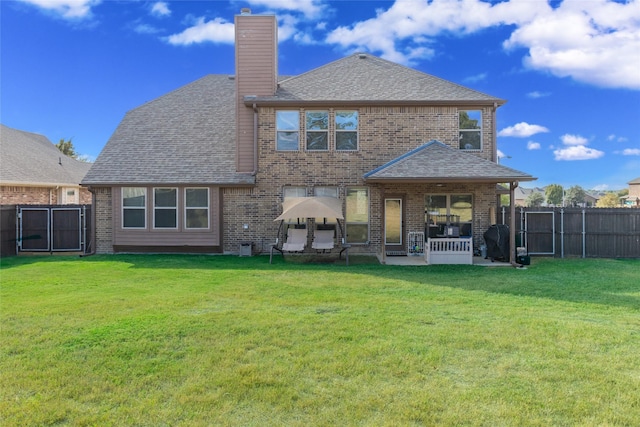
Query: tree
[[609, 200], [554, 194], [575, 195], [67, 148], [535, 200]]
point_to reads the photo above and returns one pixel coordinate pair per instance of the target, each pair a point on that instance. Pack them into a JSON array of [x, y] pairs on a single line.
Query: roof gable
[[184, 137], [31, 159], [364, 77], [437, 162]]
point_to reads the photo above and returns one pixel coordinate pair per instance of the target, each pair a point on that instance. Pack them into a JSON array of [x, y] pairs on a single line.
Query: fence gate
[[51, 229], [540, 232]]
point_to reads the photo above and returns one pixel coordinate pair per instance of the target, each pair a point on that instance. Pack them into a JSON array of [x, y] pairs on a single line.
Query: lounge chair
[[296, 240], [323, 240]]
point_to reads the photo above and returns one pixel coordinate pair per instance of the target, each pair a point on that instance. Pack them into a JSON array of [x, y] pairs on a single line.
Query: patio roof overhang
[[437, 163]]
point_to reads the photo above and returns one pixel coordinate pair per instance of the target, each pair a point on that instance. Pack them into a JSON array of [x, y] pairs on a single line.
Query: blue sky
[[570, 70]]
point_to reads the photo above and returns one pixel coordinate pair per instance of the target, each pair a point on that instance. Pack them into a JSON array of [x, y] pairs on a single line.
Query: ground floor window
[[134, 207], [357, 215], [196, 205], [165, 208], [448, 214]]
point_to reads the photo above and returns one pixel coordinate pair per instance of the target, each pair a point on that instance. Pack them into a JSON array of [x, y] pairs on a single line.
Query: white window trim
[[144, 208], [325, 131], [208, 208], [289, 130], [165, 208], [336, 131]]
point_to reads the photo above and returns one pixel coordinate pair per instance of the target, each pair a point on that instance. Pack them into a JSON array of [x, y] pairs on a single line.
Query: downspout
[[512, 223], [93, 223], [255, 140], [494, 130]]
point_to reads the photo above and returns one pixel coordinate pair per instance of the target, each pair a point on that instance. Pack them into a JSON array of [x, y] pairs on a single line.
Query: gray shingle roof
[[31, 159], [367, 78], [437, 162], [184, 137]]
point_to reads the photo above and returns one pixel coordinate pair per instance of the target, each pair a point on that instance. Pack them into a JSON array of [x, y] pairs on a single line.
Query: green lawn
[[152, 340]]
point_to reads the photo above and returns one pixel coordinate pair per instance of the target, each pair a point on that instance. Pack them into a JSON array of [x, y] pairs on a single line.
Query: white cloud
[[146, 29], [595, 42], [577, 152], [631, 152], [532, 145], [568, 139], [160, 9], [522, 130], [537, 94], [68, 9], [311, 9], [216, 31], [474, 79]]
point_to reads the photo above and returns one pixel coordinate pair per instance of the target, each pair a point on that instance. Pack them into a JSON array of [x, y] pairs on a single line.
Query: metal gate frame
[[82, 232]]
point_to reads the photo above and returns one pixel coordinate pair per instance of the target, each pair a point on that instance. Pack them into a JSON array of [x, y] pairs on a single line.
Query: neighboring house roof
[[437, 162], [186, 136], [31, 159], [634, 181], [366, 79]]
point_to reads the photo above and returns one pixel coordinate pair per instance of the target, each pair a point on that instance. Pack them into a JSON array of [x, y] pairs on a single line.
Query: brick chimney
[[256, 75]]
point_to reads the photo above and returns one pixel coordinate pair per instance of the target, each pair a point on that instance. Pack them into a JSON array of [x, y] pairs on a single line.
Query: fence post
[[584, 235], [561, 233]]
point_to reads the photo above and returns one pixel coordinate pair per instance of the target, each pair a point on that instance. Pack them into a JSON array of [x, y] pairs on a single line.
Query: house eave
[[447, 180], [270, 102]]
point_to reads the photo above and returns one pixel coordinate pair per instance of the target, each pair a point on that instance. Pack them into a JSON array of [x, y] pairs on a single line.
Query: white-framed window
[[443, 210], [470, 129], [134, 207], [165, 208], [287, 130], [196, 208], [357, 215], [326, 192], [346, 130], [317, 130]]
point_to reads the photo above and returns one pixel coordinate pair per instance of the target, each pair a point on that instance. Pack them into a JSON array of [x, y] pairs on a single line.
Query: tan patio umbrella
[[311, 207]]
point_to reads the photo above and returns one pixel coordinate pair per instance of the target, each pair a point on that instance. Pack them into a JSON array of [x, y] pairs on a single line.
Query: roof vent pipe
[[245, 11]]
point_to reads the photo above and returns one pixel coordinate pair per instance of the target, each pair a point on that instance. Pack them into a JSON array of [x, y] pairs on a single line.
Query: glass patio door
[[393, 224]]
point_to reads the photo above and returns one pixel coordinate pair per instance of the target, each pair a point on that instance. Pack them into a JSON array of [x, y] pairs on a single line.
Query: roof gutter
[[270, 102]]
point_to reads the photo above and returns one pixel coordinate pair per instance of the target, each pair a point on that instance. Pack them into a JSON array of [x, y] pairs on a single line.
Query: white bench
[[449, 250]]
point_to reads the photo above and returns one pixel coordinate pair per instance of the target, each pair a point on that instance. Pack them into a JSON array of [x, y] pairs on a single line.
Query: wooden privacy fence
[[578, 232]]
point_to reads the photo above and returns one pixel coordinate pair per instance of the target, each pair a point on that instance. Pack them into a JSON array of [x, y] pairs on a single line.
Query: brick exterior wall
[[104, 221], [385, 133], [22, 195]]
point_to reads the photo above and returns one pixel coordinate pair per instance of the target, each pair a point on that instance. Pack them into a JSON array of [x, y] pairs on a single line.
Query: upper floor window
[[317, 129], [196, 207], [134, 207], [346, 130], [165, 207], [287, 130], [470, 128]]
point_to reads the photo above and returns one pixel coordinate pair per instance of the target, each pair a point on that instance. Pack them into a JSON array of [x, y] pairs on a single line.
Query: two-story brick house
[[208, 166]]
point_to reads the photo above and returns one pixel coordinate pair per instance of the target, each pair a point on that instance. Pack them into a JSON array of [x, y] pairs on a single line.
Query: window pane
[[346, 120], [462, 207], [357, 233], [287, 120], [317, 120], [346, 140], [197, 197], [470, 140], [470, 119], [133, 218], [294, 192], [326, 191], [287, 141], [165, 197], [317, 141], [133, 197], [165, 218], [197, 218], [393, 221], [357, 205]]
